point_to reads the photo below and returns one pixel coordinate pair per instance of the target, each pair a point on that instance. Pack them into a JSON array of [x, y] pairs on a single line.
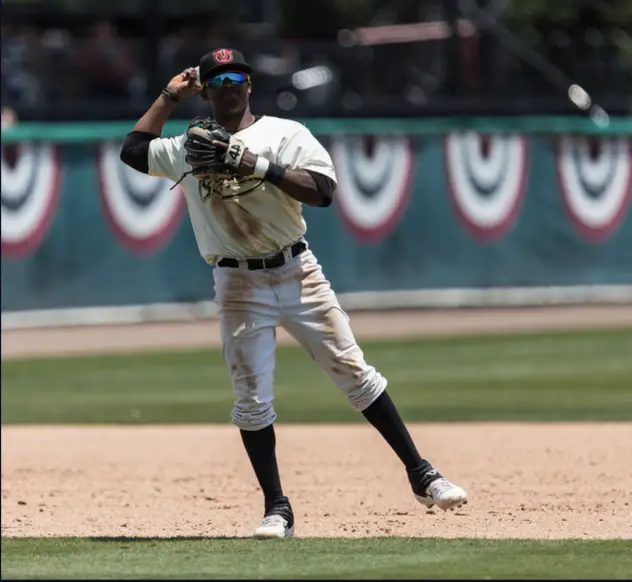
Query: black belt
[[272, 262]]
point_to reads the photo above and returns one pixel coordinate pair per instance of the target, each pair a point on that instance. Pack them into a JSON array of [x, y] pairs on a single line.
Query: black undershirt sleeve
[[326, 186], [135, 150]]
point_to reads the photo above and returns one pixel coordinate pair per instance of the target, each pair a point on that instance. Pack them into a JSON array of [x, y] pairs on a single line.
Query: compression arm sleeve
[[135, 150]]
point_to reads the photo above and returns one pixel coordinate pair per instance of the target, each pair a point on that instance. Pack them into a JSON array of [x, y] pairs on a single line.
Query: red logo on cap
[[223, 56]]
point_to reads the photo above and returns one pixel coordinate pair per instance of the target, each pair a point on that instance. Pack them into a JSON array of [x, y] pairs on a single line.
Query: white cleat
[[274, 526], [443, 494]]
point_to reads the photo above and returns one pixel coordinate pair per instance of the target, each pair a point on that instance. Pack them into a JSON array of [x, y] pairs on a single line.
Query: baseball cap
[[222, 59]]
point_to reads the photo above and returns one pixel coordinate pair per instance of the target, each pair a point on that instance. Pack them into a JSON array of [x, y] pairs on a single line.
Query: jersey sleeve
[[166, 157], [302, 151]]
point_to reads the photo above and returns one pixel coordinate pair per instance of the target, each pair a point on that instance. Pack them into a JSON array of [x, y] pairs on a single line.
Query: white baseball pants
[[298, 297]]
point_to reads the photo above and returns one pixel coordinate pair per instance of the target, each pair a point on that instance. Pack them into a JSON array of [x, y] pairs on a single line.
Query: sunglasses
[[217, 82]]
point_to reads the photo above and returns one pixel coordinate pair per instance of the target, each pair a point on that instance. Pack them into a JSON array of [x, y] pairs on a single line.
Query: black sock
[[260, 446], [383, 415]]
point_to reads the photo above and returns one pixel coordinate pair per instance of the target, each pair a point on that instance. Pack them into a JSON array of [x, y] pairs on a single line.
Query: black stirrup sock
[[260, 446], [383, 415]]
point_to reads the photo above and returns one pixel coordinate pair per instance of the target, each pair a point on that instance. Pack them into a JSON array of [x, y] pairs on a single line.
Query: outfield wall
[[494, 215]]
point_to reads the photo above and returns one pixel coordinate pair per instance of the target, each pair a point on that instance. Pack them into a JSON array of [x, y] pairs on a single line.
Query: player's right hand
[[186, 83]]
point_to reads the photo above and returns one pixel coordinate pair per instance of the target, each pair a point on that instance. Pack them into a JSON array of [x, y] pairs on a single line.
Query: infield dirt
[[526, 480]]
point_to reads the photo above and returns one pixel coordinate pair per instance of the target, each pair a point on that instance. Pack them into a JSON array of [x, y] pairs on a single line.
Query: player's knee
[[253, 416], [363, 391]]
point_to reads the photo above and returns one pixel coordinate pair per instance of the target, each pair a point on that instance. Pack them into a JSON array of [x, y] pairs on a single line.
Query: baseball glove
[[211, 150], [214, 156]]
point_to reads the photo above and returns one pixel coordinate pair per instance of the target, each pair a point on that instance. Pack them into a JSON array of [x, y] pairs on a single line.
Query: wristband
[[275, 174], [169, 94], [261, 167]]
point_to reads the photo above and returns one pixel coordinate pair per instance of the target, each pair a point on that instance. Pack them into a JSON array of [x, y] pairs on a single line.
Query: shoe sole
[[449, 504], [263, 534]]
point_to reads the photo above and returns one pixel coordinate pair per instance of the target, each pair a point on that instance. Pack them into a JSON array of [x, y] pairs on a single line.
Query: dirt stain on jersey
[[239, 222]]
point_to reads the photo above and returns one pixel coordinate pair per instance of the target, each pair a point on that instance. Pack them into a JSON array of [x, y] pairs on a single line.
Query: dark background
[[71, 60]]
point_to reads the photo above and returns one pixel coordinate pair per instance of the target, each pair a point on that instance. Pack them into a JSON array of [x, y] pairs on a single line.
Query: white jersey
[[262, 221]]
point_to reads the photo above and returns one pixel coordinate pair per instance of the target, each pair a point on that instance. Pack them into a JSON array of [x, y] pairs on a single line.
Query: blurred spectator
[[106, 63], [183, 47], [79, 67], [9, 118], [176, 48], [24, 63]]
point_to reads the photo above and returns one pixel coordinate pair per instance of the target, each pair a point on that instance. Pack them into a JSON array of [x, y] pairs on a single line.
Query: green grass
[[546, 377], [375, 558]]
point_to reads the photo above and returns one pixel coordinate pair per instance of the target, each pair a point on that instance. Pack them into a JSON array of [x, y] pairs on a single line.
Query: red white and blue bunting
[[31, 177], [595, 181], [142, 211], [375, 178], [487, 177]]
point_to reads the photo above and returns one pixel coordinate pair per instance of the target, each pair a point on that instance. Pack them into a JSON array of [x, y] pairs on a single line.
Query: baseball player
[[245, 178]]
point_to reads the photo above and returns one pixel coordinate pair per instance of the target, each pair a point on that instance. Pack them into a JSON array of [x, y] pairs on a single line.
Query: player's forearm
[[156, 116], [305, 186]]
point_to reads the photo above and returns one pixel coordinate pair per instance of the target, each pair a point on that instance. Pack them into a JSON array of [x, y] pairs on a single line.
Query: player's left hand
[[210, 150]]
